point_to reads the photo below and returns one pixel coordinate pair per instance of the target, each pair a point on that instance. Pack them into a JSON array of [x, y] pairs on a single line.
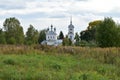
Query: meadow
[[20, 62]]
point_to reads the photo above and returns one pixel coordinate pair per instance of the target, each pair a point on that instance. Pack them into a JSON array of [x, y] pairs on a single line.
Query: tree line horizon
[[99, 33]]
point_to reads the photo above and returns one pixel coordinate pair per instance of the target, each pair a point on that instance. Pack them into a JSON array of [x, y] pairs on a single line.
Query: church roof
[[51, 33], [71, 26]]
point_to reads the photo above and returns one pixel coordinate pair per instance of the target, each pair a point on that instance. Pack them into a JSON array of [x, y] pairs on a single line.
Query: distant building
[[71, 31], [51, 37], [51, 34]]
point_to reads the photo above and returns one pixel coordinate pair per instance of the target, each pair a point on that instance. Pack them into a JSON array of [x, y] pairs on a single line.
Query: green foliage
[[83, 43], [67, 42], [90, 33], [77, 38], [20, 36], [42, 36], [86, 35], [56, 66], [93, 24], [108, 34], [11, 40], [61, 35], [84, 77], [14, 31], [2, 37], [9, 62], [31, 36], [87, 44]]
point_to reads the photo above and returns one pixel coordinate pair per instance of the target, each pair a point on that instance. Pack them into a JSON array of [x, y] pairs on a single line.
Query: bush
[[11, 41], [84, 77], [56, 66], [9, 62]]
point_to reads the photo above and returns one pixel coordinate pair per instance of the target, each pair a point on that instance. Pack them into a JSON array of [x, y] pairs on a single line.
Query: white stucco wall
[[71, 33], [51, 37], [71, 36]]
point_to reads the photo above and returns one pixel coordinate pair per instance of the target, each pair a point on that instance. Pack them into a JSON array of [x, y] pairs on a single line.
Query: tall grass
[[36, 62]]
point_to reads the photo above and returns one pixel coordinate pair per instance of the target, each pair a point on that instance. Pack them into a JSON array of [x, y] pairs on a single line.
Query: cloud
[[57, 12], [10, 4], [52, 6]]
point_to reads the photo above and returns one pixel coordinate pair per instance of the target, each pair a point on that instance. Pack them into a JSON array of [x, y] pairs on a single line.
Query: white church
[[51, 35]]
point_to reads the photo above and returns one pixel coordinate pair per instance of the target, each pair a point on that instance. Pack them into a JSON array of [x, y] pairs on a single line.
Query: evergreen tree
[[77, 38], [61, 35]]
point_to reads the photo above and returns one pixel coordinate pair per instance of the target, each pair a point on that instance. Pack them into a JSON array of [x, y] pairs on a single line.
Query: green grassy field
[[37, 64]]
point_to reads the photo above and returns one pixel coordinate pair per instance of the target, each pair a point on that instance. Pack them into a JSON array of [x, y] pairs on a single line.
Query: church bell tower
[[71, 31]]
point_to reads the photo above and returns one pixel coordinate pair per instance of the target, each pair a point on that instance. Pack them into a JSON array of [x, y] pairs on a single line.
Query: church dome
[[71, 26], [51, 32]]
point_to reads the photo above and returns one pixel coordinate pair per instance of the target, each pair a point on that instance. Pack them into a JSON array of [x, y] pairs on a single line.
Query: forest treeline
[[102, 33]]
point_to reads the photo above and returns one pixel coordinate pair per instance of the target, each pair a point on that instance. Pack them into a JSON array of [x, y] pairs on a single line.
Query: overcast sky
[[42, 13]]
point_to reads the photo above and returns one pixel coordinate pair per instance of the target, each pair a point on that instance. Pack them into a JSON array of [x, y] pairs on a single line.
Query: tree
[[67, 41], [90, 33], [13, 31], [31, 36], [93, 24], [108, 34], [2, 37], [42, 36], [61, 35], [77, 38], [86, 35]]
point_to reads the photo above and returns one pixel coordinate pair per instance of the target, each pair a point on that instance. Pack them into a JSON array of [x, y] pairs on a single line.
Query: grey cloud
[[8, 7], [12, 4], [57, 16]]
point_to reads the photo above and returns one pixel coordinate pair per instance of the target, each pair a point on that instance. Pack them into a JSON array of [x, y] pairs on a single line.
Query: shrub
[[9, 62], [56, 66], [84, 77]]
